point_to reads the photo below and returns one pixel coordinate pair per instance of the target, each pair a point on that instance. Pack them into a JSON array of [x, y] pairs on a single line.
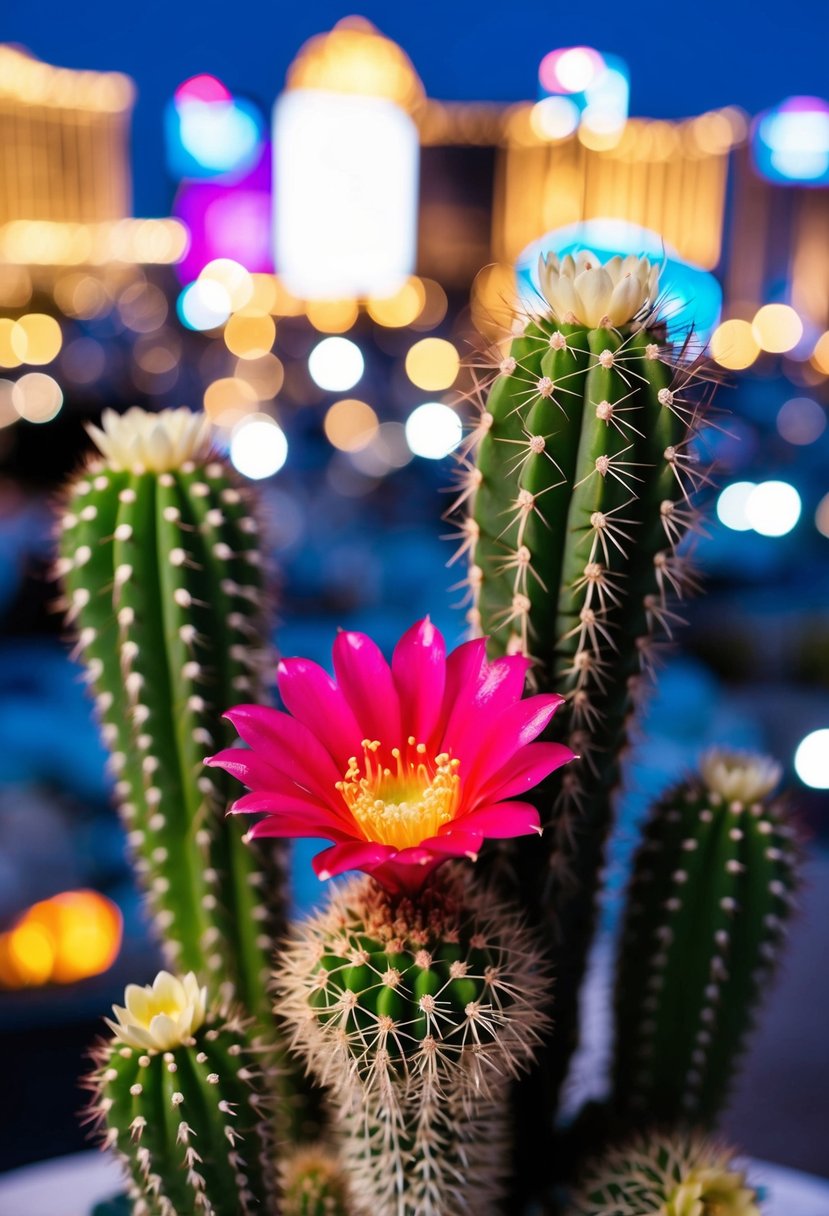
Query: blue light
[[211, 139], [688, 295], [790, 142]]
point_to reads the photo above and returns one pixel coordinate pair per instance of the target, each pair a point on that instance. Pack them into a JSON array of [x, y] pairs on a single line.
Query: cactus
[[161, 564], [680, 1174], [416, 1013], [312, 1184], [180, 1096], [579, 493], [711, 890]]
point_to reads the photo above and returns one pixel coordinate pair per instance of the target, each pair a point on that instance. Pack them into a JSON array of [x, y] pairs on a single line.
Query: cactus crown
[[739, 776], [582, 291], [161, 1015], [143, 442]]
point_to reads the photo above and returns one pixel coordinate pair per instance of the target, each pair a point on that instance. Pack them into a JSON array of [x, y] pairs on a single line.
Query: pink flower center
[[403, 804]]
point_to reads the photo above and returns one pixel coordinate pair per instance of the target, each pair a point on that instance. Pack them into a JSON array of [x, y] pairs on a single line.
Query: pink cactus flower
[[402, 766]]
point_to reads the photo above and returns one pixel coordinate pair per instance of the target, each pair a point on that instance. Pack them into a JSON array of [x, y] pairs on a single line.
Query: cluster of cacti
[[712, 888], [160, 557], [185, 1103], [416, 1013], [579, 495], [420, 991], [676, 1174]]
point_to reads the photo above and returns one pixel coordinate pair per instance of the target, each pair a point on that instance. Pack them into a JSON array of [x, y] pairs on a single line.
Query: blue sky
[[684, 57]]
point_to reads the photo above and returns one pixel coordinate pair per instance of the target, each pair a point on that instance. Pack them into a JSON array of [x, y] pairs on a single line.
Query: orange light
[[402, 308], [777, 328], [332, 316], [733, 345], [61, 940], [250, 337], [820, 355], [36, 338], [432, 364]]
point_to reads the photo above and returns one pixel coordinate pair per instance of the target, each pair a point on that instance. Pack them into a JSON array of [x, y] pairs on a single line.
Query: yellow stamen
[[403, 804]]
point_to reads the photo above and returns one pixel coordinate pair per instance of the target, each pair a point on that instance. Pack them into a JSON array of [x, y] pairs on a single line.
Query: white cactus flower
[[582, 291], [161, 1015], [739, 776], [143, 442]]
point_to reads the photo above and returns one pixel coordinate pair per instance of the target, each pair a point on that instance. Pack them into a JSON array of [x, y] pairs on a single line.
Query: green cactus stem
[[179, 1095], [679, 1174], [579, 479], [312, 1183], [416, 1013], [712, 888], [161, 563]]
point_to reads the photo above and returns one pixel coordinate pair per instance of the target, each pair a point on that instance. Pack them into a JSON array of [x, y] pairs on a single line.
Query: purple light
[[202, 88]]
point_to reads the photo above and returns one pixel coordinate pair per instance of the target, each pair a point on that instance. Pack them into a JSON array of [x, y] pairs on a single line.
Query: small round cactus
[[181, 1098], [312, 1184], [416, 1012], [679, 1174], [712, 888]]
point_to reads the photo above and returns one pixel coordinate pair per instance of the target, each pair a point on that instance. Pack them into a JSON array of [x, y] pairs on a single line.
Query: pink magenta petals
[[365, 678], [297, 764], [310, 694], [419, 671]]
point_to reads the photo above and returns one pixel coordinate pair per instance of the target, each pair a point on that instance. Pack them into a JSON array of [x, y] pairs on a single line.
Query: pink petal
[[289, 747], [503, 820], [273, 802], [311, 695], [510, 730], [252, 769], [297, 826], [408, 871], [355, 856], [499, 686], [522, 772], [464, 671], [419, 669], [366, 680], [456, 841]]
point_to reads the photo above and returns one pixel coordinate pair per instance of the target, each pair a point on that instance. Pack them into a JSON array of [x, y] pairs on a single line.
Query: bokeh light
[[570, 70], [265, 375], [801, 421], [554, 117], [8, 354], [350, 424], [388, 450], [250, 337], [777, 328], [733, 345], [228, 399], [204, 305], [83, 361], [822, 516], [433, 364], [336, 364], [433, 430], [820, 355], [8, 413], [332, 316], [61, 940], [37, 397], [36, 338], [401, 308], [791, 141], [773, 508], [811, 760], [236, 280], [258, 447], [434, 307], [732, 504]]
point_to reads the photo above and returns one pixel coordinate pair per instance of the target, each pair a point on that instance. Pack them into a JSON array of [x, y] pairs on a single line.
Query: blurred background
[[309, 226]]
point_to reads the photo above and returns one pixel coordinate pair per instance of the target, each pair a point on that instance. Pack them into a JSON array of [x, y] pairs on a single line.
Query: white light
[[336, 364], [345, 194], [218, 134], [204, 304], [811, 760], [576, 69], [258, 447], [732, 503], [773, 508], [433, 430], [555, 117]]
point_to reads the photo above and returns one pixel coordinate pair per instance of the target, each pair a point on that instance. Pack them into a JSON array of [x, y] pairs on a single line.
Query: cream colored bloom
[[161, 1015], [582, 290], [143, 442], [712, 1191], [739, 776]]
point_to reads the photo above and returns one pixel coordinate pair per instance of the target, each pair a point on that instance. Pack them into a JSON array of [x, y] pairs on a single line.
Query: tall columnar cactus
[[711, 890], [579, 494], [681, 1174], [181, 1098], [416, 1011], [163, 574]]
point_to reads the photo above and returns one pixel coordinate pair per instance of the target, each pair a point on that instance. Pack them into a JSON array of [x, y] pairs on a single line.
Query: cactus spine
[[183, 1107], [416, 1014], [160, 559], [579, 494], [681, 1174], [711, 890]]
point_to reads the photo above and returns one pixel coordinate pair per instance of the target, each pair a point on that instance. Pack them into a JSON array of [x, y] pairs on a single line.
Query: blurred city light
[[811, 760], [258, 447], [732, 505], [204, 305], [801, 421], [350, 425], [582, 87], [209, 133], [37, 397], [433, 430], [733, 345], [773, 508], [61, 940], [336, 364], [791, 141], [822, 516], [777, 328], [433, 364]]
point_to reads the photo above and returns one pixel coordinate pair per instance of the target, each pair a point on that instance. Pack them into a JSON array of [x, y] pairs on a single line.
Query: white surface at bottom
[[69, 1186]]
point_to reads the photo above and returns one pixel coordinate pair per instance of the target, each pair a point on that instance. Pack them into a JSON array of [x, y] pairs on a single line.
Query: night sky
[[684, 58]]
